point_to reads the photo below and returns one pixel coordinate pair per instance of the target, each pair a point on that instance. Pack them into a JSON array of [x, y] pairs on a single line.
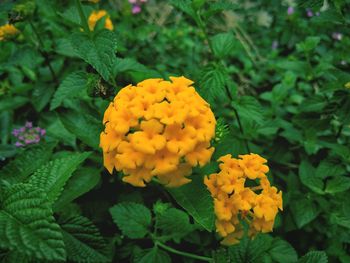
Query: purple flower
[[337, 36], [274, 45], [136, 9], [28, 134], [309, 13], [290, 10]]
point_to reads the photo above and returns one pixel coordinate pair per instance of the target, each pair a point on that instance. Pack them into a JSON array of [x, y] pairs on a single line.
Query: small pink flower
[[290, 10], [136, 9]]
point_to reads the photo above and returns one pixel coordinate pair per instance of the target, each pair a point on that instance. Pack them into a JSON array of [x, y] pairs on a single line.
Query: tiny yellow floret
[[157, 128], [7, 31], [97, 15], [242, 191]]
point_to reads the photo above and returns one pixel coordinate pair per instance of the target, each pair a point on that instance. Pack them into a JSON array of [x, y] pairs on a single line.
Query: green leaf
[[304, 211], [11, 103], [132, 219], [223, 44], [307, 175], [84, 126], [72, 86], [330, 168], [337, 185], [83, 240], [249, 108], [308, 44], [98, 51], [282, 252], [212, 82], [314, 257], [174, 223], [196, 200], [54, 175], [26, 163], [41, 96], [186, 7], [27, 223], [154, 255], [82, 181]]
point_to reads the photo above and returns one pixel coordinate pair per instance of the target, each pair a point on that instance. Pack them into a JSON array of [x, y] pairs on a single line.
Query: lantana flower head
[[235, 201], [8, 31], [28, 134], [97, 15], [157, 128]]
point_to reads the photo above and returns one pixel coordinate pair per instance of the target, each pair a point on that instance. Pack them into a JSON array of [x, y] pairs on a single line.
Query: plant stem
[[44, 53], [84, 22], [185, 254], [241, 129]]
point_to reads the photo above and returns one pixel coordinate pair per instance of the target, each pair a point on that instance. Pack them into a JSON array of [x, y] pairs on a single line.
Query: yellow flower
[[157, 128], [235, 197], [97, 15], [7, 31]]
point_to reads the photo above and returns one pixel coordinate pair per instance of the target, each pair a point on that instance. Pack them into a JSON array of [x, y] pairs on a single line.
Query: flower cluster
[[157, 128], [97, 15], [136, 5], [241, 191], [28, 134], [8, 31]]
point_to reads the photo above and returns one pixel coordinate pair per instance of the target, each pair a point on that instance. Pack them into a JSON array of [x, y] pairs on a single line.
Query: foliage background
[[281, 76]]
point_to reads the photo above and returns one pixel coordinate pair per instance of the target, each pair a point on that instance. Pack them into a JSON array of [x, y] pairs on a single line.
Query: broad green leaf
[[154, 255], [41, 96], [282, 252], [307, 175], [314, 257], [98, 51], [249, 108], [223, 44], [134, 220], [24, 165], [212, 82], [11, 103], [81, 182], [54, 175], [330, 168], [337, 184], [56, 129], [27, 223], [72, 86], [83, 240], [196, 200], [174, 223], [304, 211], [85, 127], [186, 7], [308, 44]]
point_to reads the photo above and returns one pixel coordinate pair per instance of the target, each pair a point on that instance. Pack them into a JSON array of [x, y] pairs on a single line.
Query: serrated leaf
[[337, 184], [174, 223], [304, 211], [132, 219], [11, 103], [54, 175], [82, 181], [85, 127], [26, 163], [154, 255], [223, 44], [212, 82], [83, 240], [27, 223], [282, 252], [249, 108], [314, 257], [98, 50], [72, 86], [307, 175], [196, 200]]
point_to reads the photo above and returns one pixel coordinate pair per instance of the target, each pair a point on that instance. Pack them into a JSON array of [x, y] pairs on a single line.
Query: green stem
[[84, 22], [241, 129], [44, 53], [185, 254]]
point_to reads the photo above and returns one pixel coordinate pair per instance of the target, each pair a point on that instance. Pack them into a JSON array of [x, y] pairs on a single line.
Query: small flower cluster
[[236, 200], [28, 134], [97, 15], [136, 5], [7, 31], [157, 128]]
